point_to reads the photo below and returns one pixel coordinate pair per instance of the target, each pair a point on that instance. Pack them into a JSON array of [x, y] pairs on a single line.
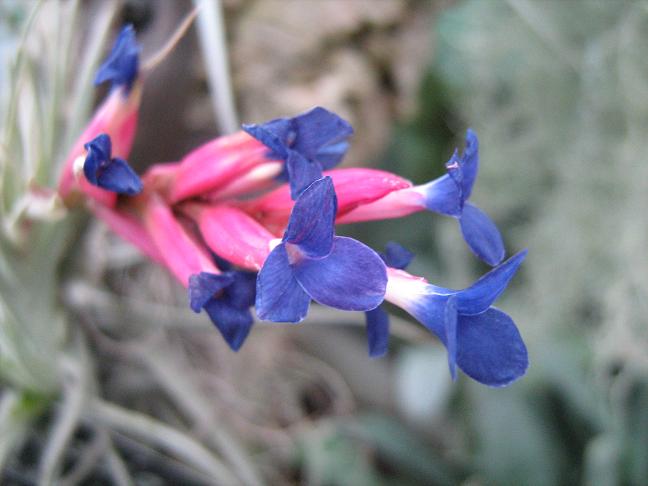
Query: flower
[[311, 262], [481, 340], [106, 172], [309, 143], [447, 195], [116, 117]]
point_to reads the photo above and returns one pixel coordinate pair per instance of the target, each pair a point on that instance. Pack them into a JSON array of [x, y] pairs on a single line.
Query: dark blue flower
[[112, 174], [312, 263], [309, 143], [449, 195], [227, 298], [481, 340], [122, 64], [377, 320]]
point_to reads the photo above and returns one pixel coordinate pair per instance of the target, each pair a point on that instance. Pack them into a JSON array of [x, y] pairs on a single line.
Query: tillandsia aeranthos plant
[[247, 222]]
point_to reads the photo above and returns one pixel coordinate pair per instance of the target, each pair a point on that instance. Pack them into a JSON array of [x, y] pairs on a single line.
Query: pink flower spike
[[116, 117], [354, 187], [394, 205], [215, 164], [258, 179], [180, 252], [130, 228], [233, 235]]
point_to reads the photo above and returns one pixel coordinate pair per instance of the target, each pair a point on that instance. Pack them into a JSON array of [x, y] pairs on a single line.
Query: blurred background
[[107, 378]]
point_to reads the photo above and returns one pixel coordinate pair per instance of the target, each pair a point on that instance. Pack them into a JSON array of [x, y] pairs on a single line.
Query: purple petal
[[331, 155], [319, 130], [242, 292], [234, 324], [351, 277], [99, 153], [312, 221], [377, 331], [117, 176], [480, 296], [275, 134], [490, 348], [469, 163], [450, 323], [301, 173], [443, 196], [279, 297], [203, 286], [396, 256], [122, 64], [481, 235]]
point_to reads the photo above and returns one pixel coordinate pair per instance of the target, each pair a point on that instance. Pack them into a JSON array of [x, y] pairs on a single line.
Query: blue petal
[[396, 256], [276, 134], [351, 277], [443, 196], [203, 286], [122, 64], [469, 163], [321, 131], [117, 176], [318, 135], [242, 292], [301, 173], [233, 323], [312, 222], [490, 348], [332, 155], [99, 152], [481, 235], [429, 310], [480, 296], [279, 297], [377, 331], [450, 317]]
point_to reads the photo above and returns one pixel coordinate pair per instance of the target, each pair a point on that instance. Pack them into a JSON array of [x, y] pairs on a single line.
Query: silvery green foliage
[[559, 94]]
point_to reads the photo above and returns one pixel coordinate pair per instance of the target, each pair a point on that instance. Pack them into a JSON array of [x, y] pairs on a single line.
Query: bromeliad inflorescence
[[248, 220]]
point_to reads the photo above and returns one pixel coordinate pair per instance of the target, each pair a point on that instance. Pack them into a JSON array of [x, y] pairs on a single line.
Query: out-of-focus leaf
[[423, 382], [514, 443], [404, 452], [636, 435], [329, 458], [601, 462]]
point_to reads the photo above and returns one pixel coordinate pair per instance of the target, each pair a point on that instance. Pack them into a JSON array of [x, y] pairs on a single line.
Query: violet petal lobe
[[312, 221], [450, 317], [279, 297], [203, 286], [122, 64], [99, 151], [317, 130], [275, 134], [301, 173], [469, 163], [242, 292], [396, 256], [481, 235], [490, 349], [480, 296], [443, 196], [117, 176], [377, 331], [352, 277], [233, 323]]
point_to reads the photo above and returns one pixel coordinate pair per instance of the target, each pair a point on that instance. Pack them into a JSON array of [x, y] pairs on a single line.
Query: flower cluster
[[248, 221]]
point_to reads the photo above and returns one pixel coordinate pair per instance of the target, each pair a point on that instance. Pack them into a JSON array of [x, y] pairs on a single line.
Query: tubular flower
[[116, 118], [481, 340], [217, 221], [312, 263]]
